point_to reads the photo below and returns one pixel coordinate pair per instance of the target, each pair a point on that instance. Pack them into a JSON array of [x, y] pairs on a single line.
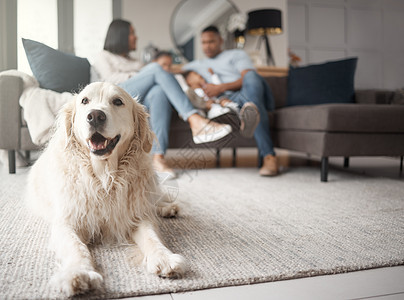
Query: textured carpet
[[235, 228]]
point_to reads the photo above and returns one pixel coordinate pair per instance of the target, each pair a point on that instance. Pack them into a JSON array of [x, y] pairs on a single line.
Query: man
[[241, 84]]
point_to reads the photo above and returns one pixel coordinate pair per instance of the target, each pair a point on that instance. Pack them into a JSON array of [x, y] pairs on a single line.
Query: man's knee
[[251, 75], [252, 80]]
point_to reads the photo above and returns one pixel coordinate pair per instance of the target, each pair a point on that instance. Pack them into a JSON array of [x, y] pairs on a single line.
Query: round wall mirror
[[190, 17]]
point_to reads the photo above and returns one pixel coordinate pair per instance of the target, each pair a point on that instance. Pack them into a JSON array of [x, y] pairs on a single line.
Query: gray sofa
[[372, 126], [14, 134]]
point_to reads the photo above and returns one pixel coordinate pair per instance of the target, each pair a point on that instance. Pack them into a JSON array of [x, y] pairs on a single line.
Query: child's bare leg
[[224, 101]]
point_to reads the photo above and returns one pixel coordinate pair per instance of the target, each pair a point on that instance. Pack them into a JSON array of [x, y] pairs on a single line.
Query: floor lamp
[[265, 22]]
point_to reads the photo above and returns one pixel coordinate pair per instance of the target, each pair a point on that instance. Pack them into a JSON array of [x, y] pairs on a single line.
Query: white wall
[[151, 20], [372, 30]]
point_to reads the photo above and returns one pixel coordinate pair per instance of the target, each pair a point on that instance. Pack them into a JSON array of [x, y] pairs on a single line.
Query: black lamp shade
[[264, 21]]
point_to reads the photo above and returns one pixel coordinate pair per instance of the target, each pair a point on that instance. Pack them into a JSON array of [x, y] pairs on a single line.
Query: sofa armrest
[[11, 88], [374, 96]]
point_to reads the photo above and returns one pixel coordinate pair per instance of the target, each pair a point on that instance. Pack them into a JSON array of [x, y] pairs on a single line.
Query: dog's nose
[[96, 118]]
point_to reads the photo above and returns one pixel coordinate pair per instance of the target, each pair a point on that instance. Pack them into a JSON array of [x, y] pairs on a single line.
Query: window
[[36, 20], [91, 21]]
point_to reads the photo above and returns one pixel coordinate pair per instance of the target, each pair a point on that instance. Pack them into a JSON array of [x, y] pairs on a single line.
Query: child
[[164, 59], [192, 83], [248, 115], [214, 106]]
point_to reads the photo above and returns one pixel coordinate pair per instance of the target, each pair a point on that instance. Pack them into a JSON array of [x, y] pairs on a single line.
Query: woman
[[154, 87]]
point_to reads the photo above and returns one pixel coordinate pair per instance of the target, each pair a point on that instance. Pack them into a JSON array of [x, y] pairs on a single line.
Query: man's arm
[[214, 90]]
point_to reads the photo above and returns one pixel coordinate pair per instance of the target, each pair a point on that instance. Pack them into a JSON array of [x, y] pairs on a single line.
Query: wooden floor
[[384, 283], [248, 157]]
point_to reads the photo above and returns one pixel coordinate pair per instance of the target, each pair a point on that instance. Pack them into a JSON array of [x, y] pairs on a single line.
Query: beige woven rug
[[236, 228]]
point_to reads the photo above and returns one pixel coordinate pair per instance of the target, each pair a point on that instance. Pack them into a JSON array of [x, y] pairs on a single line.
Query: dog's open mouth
[[100, 145]]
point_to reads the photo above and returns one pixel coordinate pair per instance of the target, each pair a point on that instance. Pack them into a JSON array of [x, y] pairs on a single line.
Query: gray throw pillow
[[55, 70]]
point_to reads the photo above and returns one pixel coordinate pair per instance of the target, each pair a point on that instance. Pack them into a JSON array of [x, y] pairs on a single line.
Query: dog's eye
[[117, 102], [85, 101]]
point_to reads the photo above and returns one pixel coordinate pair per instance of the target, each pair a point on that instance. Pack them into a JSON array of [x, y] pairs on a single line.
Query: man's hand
[[213, 90]]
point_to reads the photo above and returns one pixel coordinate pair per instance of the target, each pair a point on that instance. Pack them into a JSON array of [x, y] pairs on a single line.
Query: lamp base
[[269, 58]]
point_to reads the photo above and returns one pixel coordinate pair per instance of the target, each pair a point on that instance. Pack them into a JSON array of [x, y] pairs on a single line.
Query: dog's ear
[[65, 121], [142, 127]]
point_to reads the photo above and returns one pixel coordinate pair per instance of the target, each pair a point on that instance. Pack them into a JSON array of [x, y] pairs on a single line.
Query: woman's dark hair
[[117, 39]]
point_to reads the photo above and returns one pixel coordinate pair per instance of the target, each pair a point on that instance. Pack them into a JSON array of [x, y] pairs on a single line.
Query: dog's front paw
[[166, 265], [169, 210], [77, 281]]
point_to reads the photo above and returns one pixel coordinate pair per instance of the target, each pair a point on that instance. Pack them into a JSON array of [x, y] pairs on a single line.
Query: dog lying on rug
[[95, 183]]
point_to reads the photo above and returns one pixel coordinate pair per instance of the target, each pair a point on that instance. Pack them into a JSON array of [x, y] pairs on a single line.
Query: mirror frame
[[174, 15]]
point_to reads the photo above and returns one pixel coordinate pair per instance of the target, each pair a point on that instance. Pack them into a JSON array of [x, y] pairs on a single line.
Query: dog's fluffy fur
[[95, 183]]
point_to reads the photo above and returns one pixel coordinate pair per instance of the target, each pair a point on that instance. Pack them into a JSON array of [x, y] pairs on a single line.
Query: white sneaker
[[211, 132], [217, 110]]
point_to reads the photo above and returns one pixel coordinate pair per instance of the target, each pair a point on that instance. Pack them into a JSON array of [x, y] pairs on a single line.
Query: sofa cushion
[[342, 118], [55, 70], [331, 82]]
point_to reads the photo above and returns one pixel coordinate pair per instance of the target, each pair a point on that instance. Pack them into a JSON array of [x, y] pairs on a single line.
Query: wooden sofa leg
[[11, 161], [234, 162], [346, 162], [324, 169], [401, 164]]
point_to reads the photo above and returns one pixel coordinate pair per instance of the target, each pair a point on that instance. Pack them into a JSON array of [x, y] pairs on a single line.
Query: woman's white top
[[114, 68]]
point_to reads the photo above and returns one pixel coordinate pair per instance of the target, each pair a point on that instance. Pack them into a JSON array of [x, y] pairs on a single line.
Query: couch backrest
[[373, 96], [279, 87]]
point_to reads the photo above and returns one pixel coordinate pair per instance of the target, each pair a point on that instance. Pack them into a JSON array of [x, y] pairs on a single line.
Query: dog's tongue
[[98, 142]]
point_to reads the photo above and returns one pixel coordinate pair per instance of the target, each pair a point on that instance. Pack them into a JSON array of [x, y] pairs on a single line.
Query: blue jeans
[[158, 90], [255, 89]]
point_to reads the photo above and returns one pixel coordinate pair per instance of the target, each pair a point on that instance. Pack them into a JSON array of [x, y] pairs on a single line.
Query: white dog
[[95, 183]]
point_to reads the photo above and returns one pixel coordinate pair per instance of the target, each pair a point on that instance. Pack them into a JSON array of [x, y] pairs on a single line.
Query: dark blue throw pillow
[[55, 70], [331, 82]]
